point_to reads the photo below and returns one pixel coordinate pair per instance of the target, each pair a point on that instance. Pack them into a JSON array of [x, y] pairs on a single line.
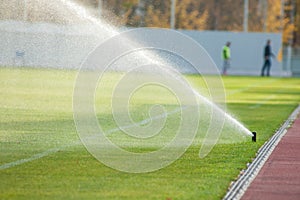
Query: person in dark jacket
[[267, 57]]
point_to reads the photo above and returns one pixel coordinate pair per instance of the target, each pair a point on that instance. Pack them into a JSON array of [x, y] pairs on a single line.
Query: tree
[[190, 15], [297, 24], [264, 15], [289, 22]]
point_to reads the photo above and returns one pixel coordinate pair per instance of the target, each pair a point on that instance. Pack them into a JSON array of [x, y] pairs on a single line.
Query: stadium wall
[[61, 46]]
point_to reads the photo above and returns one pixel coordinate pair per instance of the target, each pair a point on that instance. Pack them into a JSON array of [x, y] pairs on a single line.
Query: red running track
[[279, 178]]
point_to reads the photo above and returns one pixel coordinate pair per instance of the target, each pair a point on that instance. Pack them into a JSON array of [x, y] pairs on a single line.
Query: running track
[[279, 178]]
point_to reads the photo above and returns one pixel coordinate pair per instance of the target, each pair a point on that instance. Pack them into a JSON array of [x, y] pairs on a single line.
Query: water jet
[[104, 30]]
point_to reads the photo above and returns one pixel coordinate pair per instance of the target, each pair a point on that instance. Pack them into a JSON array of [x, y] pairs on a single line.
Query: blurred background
[[250, 16]]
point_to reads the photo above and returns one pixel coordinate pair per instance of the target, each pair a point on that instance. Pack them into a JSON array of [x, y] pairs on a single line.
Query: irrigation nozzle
[[254, 137]]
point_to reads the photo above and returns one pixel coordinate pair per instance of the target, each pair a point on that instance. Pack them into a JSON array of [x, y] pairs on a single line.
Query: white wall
[[246, 49], [58, 46], [45, 45]]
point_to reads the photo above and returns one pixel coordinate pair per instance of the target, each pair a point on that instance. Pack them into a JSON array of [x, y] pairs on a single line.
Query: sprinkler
[[254, 137]]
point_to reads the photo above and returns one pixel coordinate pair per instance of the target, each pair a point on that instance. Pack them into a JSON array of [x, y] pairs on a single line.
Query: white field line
[[264, 101], [249, 87], [143, 122], [34, 157], [259, 104], [54, 150]]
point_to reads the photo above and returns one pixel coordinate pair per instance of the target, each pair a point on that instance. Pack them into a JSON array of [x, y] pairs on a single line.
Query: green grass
[[36, 115]]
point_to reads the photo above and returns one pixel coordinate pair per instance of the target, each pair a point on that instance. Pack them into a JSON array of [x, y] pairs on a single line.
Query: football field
[[42, 156]]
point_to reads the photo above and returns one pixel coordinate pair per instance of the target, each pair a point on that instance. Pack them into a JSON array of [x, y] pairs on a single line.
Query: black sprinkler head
[[254, 137]]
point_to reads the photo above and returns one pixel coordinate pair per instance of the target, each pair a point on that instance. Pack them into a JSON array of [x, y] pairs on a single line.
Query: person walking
[[226, 58], [267, 57]]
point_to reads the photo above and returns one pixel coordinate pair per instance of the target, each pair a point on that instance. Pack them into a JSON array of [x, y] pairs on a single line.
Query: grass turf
[[36, 116]]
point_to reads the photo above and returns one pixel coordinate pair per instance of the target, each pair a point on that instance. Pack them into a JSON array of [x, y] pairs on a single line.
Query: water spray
[[160, 43]]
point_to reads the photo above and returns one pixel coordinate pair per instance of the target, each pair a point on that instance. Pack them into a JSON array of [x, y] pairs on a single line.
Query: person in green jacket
[[226, 58]]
